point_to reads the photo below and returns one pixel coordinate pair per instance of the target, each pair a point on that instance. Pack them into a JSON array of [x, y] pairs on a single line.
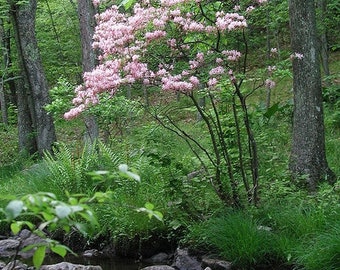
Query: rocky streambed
[[13, 257]]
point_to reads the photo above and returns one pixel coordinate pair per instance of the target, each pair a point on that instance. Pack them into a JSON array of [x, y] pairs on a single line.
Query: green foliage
[[57, 29], [42, 211], [115, 115], [238, 238], [61, 95], [322, 251], [71, 173], [9, 150]]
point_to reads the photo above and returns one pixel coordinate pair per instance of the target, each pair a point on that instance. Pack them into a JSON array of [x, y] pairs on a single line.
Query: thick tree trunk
[[26, 130], [86, 12], [308, 155], [322, 5], [23, 19]]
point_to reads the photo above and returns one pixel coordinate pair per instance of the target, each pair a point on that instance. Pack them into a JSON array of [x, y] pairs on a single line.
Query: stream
[[105, 263]]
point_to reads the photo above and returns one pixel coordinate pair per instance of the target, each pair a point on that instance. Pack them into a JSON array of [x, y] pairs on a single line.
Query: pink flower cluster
[[230, 21], [232, 55], [269, 84], [128, 44]]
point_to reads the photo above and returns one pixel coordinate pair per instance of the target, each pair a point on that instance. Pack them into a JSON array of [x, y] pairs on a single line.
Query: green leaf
[[47, 216], [124, 170], [149, 206], [39, 256], [127, 4], [60, 250], [158, 215], [62, 211], [16, 227], [271, 110], [13, 209]]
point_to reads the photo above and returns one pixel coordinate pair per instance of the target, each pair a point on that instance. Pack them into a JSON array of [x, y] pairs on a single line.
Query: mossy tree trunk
[[36, 127]]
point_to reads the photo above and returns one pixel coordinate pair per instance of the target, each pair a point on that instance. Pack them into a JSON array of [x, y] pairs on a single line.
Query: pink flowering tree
[[183, 46]]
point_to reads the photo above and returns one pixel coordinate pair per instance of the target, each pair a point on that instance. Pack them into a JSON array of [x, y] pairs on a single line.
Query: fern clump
[[69, 172]]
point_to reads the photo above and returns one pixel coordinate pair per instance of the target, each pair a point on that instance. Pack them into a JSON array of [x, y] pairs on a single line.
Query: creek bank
[[11, 249], [149, 255]]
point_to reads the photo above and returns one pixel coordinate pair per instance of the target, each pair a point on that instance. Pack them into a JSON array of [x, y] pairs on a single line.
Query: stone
[[91, 253], [15, 265], [2, 264], [215, 264], [183, 261], [160, 258], [70, 266], [158, 267], [27, 238], [8, 247]]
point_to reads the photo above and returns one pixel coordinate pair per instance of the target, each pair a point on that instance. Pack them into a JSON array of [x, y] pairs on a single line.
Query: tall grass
[[321, 252], [237, 237]]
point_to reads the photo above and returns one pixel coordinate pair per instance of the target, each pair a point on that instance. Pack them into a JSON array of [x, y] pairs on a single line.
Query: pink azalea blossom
[[296, 55], [250, 9], [96, 2], [270, 84], [237, 8], [230, 21], [212, 82], [128, 49], [232, 55], [216, 71], [155, 35], [271, 69]]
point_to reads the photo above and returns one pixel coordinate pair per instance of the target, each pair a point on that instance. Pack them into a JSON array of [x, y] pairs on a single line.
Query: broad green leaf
[[124, 170], [149, 206], [133, 176], [271, 110], [72, 201], [15, 227], [76, 208], [39, 256], [62, 211], [60, 250], [158, 215], [13, 209], [47, 216], [127, 4]]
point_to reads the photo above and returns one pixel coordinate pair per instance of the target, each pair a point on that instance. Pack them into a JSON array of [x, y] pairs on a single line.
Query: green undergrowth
[[288, 228], [299, 232]]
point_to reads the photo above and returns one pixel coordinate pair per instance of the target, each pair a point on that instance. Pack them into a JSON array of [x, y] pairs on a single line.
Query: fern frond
[[108, 158]]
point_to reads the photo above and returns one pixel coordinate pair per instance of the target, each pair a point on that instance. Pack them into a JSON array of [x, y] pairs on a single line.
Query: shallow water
[[105, 263]]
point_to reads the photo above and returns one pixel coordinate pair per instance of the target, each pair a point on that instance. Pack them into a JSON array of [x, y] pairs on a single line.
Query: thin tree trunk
[[86, 12], [3, 103]]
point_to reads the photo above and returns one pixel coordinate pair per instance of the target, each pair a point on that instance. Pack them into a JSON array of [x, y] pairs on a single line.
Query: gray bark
[[308, 154], [322, 5], [86, 12], [3, 103], [35, 91]]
